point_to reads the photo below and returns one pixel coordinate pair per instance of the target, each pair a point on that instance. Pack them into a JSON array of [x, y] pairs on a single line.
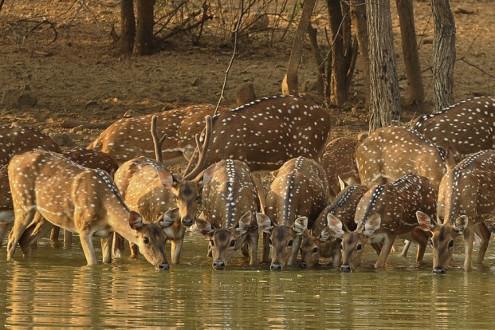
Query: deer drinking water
[[463, 128], [391, 152], [154, 191], [384, 213], [466, 197], [229, 219], [45, 185], [296, 197]]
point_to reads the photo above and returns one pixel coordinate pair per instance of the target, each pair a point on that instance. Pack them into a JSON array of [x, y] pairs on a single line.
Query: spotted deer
[[296, 197], [463, 128], [91, 159], [46, 186], [230, 205], [391, 152], [384, 213], [129, 138], [324, 239], [267, 132], [152, 190], [16, 140], [466, 198], [338, 161]]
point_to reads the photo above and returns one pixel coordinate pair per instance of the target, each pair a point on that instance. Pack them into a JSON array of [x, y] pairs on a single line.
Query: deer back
[[469, 188], [299, 189], [92, 159], [229, 194], [396, 204], [16, 140], [338, 161], [129, 138], [463, 128], [391, 152]]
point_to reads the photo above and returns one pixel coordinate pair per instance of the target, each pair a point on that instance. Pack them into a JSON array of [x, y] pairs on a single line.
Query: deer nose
[[303, 264], [345, 268], [163, 267], [187, 222], [275, 267], [218, 264], [439, 270]]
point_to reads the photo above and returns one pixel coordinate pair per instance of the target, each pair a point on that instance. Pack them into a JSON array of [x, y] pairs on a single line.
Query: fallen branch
[[236, 32]]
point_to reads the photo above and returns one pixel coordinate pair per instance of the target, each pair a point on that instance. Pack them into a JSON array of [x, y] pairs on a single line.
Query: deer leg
[[468, 248], [377, 247], [245, 249], [106, 249], [253, 244], [117, 245], [484, 234], [387, 247], [88, 248], [260, 189], [134, 250], [176, 248], [405, 249], [4, 227], [67, 239], [296, 245], [54, 235], [33, 232], [22, 220], [266, 249]]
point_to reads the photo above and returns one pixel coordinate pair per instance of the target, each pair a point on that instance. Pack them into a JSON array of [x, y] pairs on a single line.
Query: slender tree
[[444, 53], [143, 43], [127, 26], [384, 85], [359, 20]]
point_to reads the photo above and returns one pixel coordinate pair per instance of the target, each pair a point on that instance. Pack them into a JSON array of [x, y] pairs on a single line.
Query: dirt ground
[[80, 85]]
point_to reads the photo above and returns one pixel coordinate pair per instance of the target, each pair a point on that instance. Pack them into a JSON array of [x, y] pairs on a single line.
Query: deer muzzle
[[345, 268], [275, 266], [162, 267], [218, 264], [439, 270], [188, 222]]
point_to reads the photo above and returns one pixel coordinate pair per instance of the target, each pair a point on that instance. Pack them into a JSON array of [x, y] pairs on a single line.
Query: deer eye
[[451, 243], [359, 247], [290, 243], [315, 250], [232, 243], [146, 240]]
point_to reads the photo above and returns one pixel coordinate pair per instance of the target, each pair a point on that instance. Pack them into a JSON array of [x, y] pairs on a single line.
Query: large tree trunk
[[443, 53], [290, 83], [384, 85], [410, 51], [127, 26], [340, 85], [359, 20], [143, 43]]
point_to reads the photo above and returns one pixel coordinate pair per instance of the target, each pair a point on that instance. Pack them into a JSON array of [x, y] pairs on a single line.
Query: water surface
[[51, 289]]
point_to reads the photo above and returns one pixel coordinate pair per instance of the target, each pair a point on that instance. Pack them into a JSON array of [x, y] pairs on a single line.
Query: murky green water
[[52, 289]]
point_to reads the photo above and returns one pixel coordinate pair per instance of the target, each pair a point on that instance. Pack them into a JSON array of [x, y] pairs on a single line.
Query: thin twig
[[462, 59], [236, 32]]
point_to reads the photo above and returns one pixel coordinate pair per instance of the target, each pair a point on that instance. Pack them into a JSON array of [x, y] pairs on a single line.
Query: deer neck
[[118, 220]]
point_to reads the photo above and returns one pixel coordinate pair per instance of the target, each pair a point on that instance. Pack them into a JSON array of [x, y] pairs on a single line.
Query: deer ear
[[461, 223], [206, 175], [342, 183], [300, 225], [203, 227], [264, 223], [169, 217], [246, 223], [424, 221], [166, 178], [372, 224], [135, 220], [335, 225]]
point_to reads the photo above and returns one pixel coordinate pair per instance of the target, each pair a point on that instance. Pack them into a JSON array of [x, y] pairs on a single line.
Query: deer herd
[[428, 183]]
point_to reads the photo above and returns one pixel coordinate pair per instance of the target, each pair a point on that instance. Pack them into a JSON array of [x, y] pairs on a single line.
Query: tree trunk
[[143, 44], [410, 51], [384, 85], [339, 61], [290, 84], [443, 53], [359, 20], [127, 26]]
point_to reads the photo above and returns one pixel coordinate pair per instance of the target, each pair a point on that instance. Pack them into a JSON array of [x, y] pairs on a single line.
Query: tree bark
[[444, 53], [339, 61], [290, 84], [384, 85], [127, 26], [410, 51], [143, 44], [359, 20]]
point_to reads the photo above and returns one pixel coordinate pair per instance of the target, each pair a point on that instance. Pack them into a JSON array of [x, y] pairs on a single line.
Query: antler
[[157, 142], [200, 152]]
